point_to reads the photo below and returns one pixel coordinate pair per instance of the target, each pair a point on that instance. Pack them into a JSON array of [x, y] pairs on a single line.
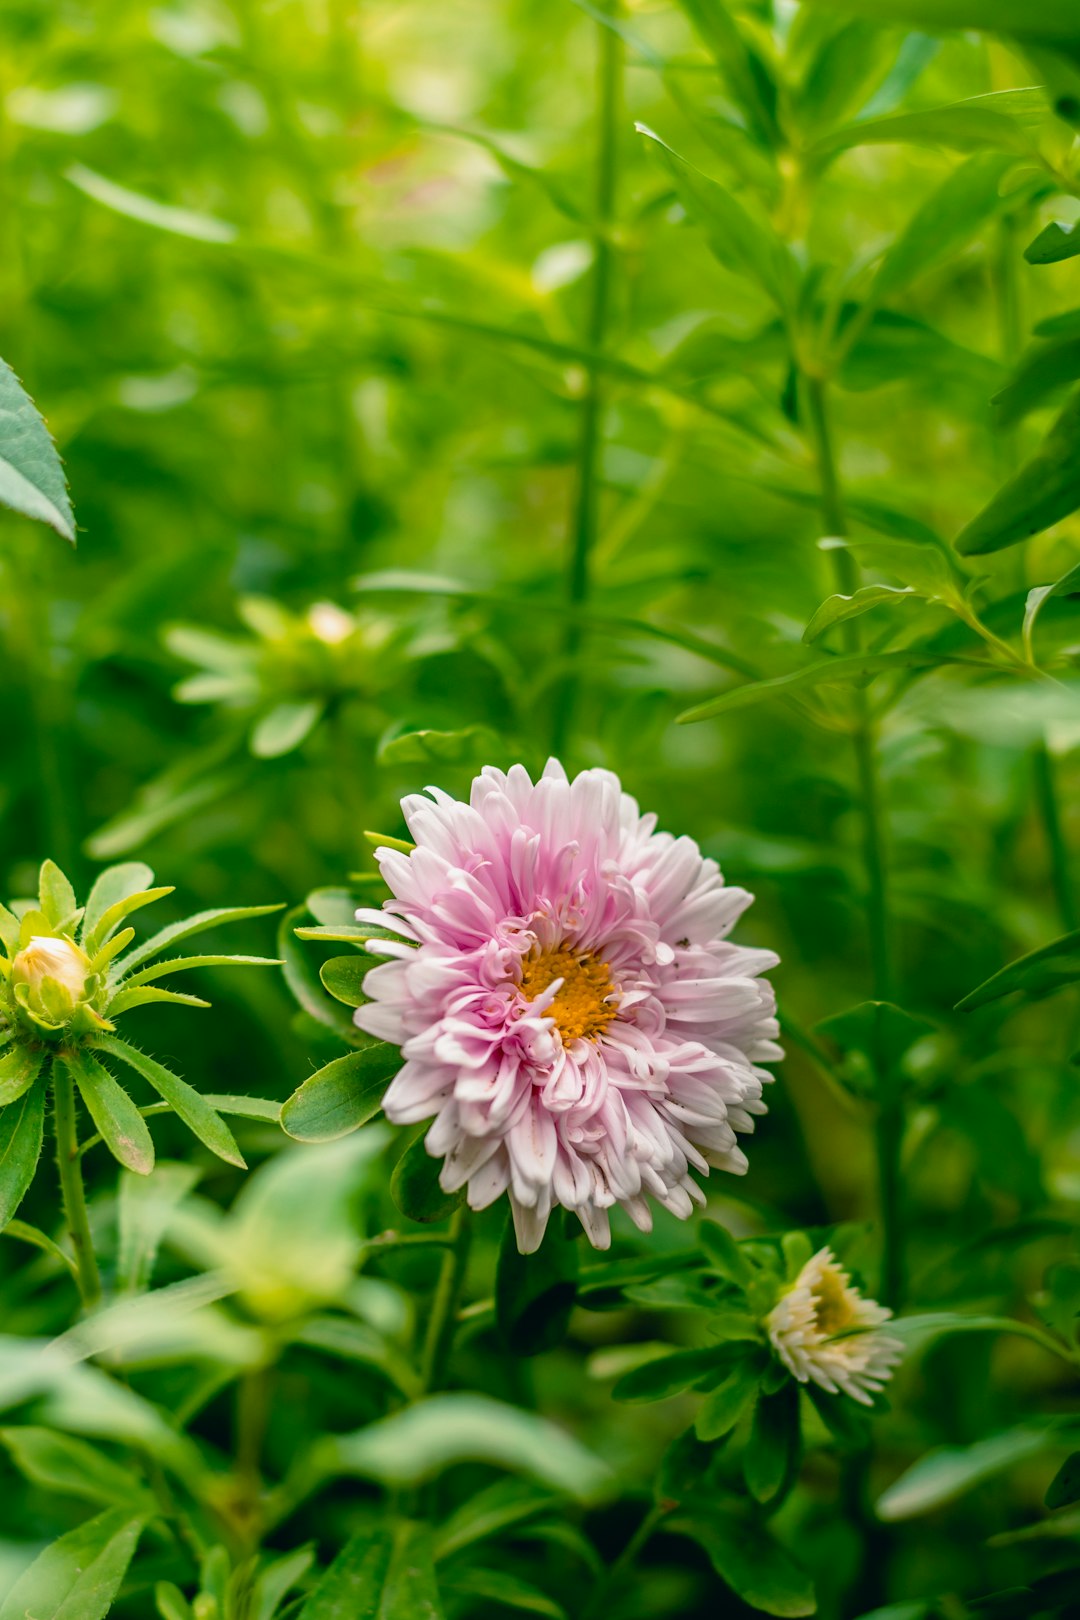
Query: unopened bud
[[49, 958]]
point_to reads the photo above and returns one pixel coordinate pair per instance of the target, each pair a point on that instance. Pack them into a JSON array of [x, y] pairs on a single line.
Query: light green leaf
[[59, 1462], [147, 210], [57, 897], [183, 964], [284, 727], [146, 1207], [198, 923], [381, 1574], [145, 994], [118, 911], [78, 1577], [830, 672], [839, 609], [404, 747], [947, 1472], [343, 977], [1067, 585], [1045, 490], [341, 1097], [31, 477], [120, 1123], [999, 121], [1053, 21], [196, 1113], [21, 1129], [421, 1441], [19, 1068], [114, 884]]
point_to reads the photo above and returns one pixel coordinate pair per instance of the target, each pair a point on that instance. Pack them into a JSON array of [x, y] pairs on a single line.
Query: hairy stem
[[583, 525], [71, 1186], [890, 1119], [440, 1333]]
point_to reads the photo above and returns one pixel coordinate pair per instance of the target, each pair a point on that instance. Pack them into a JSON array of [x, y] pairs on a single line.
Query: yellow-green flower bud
[[55, 974]]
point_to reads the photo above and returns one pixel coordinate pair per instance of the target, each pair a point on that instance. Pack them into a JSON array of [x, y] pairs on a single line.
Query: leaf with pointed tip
[[1067, 585], [1054, 243], [56, 896], [119, 1122], [284, 727], [60, 1462], [1035, 975], [32, 478], [77, 1577], [196, 1113], [182, 964], [947, 1472], [415, 1186], [198, 923], [1064, 1488], [146, 1207], [115, 915], [148, 210], [115, 883], [18, 1071], [999, 122], [342, 1096], [839, 609], [343, 977], [381, 1574], [22, 1127], [1045, 490], [745, 1556], [143, 995], [842, 671]]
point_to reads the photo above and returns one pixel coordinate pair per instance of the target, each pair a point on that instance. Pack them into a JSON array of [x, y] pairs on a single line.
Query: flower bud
[[54, 972]]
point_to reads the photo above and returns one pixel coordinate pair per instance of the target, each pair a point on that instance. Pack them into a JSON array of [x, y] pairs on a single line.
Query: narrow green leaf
[[998, 122], [1048, 366], [723, 1254], [670, 1375], [1035, 975], [742, 243], [1052, 21], [145, 1209], [119, 1122], [196, 1113], [949, 1471], [1067, 585], [381, 1574], [77, 1577], [414, 1185], [145, 994], [284, 727], [721, 1410], [60, 1462], [147, 210], [772, 1451], [341, 1097], [305, 985], [839, 609], [118, 911], [421, 1441], [1045, 490], [25, 1233], [115, 883], [21, 1128], [32, 479], [743, 1553], [506, 1591], [183, 964], [829, 672], [9, 930], [19, 1068], [195, 924], [1053, 244], [406, 747]]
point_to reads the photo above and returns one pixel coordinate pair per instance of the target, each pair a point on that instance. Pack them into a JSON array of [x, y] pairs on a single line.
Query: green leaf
[[742, 243], [119, 911], [1035, 975], [145, 1210], [1052, 245], [534, 1293], [276, 1580], [723, 1254], [57, 897], [499, 1507], [422, 1440], [414, 1185], [381, 1574], [1067, 585], [183, 964], [196, 924], [1053, 21], [403, 747], [757, 1568], [1046, 367], [949, 1471], [839, 609], [78, 1577], [114, 884], [1045, 490], [303, 983], [343, 977], [506, 1591], [147, 210], [881, 1030], [830, 672], [25, 1233], [772, 1451], [742, 66], [119, 1122], [19, 1068], [59, 1462], [655, 1380], [721, 1410], [196, 1113], [1065, 1485], [31, 477], [21, 1128], [341, 1097], [285, 726], [998, 121], [148, 994]]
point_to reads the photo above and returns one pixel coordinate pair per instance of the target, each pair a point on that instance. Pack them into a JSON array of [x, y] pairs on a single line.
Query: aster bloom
[[570, 1010], [823, 1329]]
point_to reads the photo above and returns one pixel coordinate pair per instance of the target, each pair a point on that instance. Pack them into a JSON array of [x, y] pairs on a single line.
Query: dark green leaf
[[534, 1293], [384, 1574], [1035, 975], [19, 1068], [1053, 244], [1045, 490], [668, 1375], [721, 1410], [22, 1126], [414, 1185], [1054, 21], [1065, 1485], [59, 1462], [830, 672], [757, 1568], [31, 478]]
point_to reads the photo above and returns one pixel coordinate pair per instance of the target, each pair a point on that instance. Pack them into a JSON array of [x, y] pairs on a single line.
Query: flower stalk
[[69, 1162]]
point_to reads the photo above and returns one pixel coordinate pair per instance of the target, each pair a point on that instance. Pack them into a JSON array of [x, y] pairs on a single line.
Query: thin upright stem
[[71, 1185], [585, 512], [890, 1113], [608, 1584], [440, 1335]]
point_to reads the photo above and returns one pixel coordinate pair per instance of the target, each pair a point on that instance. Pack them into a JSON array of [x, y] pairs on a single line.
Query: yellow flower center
[[580, 1009], [832, 1309]]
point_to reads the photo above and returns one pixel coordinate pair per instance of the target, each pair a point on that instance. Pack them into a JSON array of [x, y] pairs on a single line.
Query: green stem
[[609, 1583], [444, 1309], [587, 495], [71, 1185], [890, 1114], [1060, 875]]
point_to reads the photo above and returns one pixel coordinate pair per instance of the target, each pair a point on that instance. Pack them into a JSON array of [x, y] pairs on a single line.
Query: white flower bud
[[330, 623], [49, 958], [823, 1329]]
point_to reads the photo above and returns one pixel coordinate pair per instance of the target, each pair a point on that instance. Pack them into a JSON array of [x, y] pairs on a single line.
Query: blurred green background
[[307, 292]]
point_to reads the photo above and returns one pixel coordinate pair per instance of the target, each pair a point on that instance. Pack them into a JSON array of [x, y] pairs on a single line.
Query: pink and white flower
[[567, 1001]]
